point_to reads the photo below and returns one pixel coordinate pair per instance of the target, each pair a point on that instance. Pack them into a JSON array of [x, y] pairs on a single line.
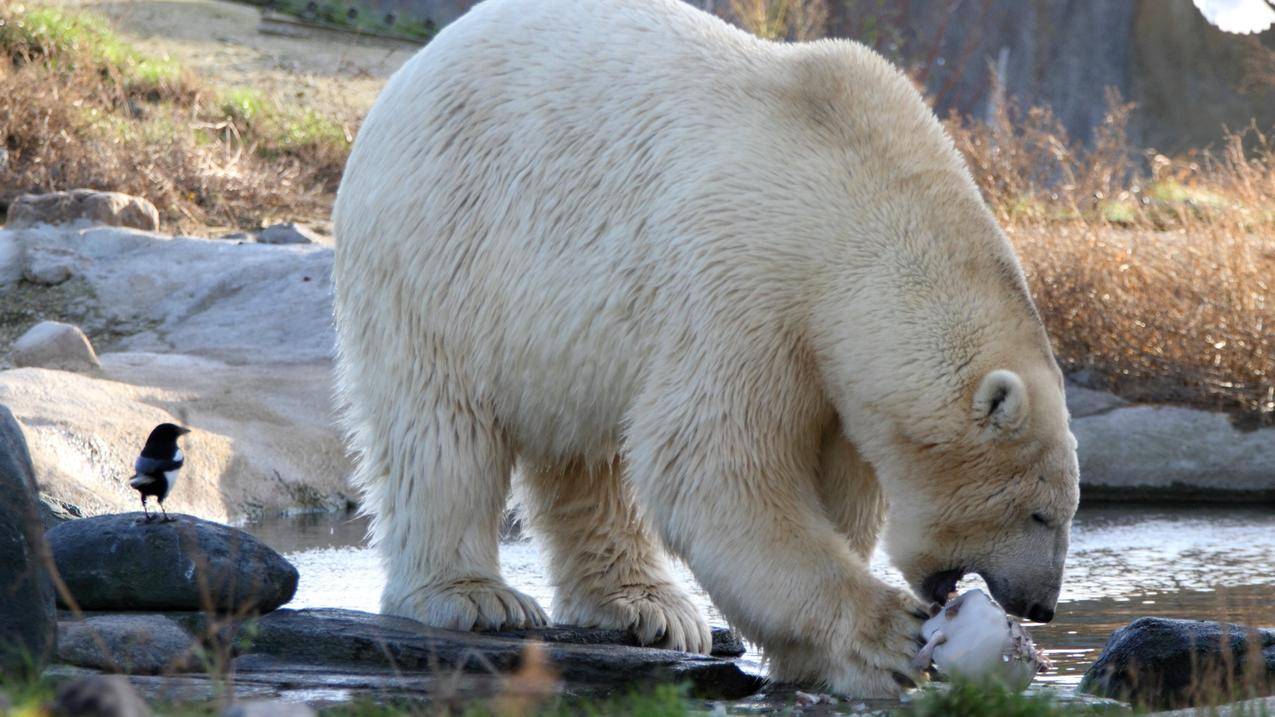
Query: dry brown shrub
[[782, 19], [1151, 273], [70, 119]]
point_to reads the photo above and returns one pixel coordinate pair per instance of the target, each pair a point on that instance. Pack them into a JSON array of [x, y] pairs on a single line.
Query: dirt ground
[[336, 74]]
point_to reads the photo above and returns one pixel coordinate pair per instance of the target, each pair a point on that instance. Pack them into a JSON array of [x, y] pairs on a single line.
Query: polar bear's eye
[[1040, 519]]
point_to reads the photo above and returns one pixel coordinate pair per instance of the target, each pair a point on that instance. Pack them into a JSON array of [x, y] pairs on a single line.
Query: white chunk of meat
[[972, 638]]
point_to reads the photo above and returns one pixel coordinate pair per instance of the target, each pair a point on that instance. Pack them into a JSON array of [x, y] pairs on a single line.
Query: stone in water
[[971, 637]]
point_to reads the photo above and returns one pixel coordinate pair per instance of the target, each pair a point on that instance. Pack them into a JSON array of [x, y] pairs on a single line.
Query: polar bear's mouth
[[938, 586]]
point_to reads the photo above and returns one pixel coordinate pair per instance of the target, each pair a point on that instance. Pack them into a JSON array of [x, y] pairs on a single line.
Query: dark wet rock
[[128, 643], [269, 708], [335, 637], [1244, 708], [99, 696], [116, 562], [28, 627], [1168, 663], [726, 642]]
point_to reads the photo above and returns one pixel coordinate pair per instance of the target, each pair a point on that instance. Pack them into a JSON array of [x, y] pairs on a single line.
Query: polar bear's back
[[544, 189]]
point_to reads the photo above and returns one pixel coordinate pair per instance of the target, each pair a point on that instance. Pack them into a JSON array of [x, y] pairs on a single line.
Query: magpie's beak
[[183, 431]]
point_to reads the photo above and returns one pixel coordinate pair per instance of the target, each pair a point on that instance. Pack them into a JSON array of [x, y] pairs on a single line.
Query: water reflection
[[1125, 562]]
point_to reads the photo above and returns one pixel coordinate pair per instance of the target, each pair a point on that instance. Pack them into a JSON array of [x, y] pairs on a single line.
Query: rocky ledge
[[1133, 452], [316, 650]]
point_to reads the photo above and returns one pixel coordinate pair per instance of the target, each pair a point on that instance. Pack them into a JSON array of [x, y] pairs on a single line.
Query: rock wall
[[1167, 453], [1187, 78], [231, 339]]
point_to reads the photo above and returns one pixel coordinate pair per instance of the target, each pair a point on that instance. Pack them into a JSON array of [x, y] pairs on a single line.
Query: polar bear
[[731, 298]]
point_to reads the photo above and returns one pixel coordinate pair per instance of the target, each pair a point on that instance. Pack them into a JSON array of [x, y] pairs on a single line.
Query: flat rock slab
[[348, 637], [239, 303], [129, 644], [117, 562], [1166, 663], [726, 642]]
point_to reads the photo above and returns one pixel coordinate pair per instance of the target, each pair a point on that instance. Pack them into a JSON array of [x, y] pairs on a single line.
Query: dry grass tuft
[[80, 108], [781, 19]]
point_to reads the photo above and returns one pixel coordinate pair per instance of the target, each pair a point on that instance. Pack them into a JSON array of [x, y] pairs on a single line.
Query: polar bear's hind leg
[[440, 500], [607, 569]]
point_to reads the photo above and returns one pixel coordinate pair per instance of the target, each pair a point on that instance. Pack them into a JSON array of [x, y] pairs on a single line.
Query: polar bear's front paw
[[887, 638], [660, 615], [473, 604]]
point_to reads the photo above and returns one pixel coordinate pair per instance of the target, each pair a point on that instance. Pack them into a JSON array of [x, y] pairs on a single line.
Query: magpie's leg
[[146, 513], [166, 518]]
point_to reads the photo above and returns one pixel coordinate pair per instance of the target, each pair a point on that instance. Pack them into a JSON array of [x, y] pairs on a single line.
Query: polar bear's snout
[[1026, 581], [1025, 598]]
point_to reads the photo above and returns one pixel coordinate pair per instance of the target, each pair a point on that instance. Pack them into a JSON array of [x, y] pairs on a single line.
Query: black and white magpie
[[156, 468]]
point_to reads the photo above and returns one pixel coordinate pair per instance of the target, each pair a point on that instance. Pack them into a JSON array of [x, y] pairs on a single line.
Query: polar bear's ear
[[1000, 404]]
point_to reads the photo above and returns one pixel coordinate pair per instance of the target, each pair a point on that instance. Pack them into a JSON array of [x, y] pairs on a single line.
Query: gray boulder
[[27, 618], [10, 259], [1166, 663], [290, 233], [99, 696], [53, 344], [128, 643], [348, 638], [109, 208], [48, 271], [116, 562]]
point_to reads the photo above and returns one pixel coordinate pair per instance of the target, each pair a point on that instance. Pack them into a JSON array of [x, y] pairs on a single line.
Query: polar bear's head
[[997, 500]]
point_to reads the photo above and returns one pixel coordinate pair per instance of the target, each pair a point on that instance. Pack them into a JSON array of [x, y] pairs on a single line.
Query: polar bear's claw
[[887, 648], [658, 615]]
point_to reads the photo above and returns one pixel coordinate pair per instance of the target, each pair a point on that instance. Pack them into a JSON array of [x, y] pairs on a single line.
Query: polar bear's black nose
[[1040, 613]]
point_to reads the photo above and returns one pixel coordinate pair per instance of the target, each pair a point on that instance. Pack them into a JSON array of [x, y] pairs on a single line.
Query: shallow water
[[1126, 562]]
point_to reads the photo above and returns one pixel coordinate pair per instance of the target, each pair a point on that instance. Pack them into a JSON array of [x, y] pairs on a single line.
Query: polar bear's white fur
[[743, 292]]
